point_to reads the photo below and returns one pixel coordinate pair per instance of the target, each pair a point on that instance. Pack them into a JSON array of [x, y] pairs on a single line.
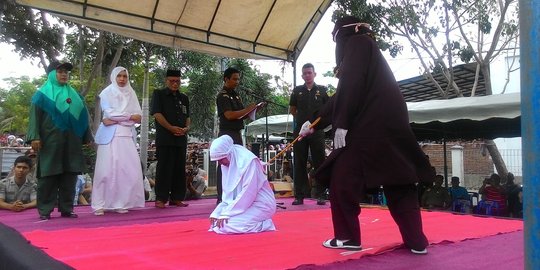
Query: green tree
[[202, 91], [95, 53], [442, 33], [255, 87], [30, 32], [15, 103]]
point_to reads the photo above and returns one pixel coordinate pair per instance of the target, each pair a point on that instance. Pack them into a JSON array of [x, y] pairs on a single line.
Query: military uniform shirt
[[229, 101], [11, 192], [307, 103]]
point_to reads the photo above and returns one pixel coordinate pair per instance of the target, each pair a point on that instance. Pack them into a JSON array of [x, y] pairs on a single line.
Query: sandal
[[336, 243]]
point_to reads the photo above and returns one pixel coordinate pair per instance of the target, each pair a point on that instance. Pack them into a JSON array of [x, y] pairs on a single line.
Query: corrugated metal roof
[[421, 88]]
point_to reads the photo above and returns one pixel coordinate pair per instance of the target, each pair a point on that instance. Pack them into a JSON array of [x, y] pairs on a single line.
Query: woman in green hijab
[[57, 130]]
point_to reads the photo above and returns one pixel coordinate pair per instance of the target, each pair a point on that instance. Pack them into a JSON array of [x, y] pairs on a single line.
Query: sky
[[319, 51]]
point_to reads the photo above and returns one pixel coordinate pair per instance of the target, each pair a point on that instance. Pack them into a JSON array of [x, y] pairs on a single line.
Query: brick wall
[[477, 162]]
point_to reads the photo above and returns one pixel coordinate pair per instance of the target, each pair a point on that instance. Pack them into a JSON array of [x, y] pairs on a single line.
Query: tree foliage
[[442, 33], [30, 32], [95, 53], [15, 104]]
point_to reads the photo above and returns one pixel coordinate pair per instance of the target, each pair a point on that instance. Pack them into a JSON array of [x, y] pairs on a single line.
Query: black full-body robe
[[380, 146]]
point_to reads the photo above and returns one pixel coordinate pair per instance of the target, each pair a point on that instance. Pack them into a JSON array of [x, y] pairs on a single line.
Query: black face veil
[[345, 28]]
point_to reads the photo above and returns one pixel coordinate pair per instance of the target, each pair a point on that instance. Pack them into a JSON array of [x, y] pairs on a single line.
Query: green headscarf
[[63, 104]]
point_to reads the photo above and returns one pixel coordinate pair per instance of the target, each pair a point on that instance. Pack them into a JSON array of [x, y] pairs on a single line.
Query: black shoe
[[321, 201], [69, 215], [44, 217], [298, 201]]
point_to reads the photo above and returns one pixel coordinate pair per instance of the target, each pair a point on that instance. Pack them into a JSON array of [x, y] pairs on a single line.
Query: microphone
[[243, 88]]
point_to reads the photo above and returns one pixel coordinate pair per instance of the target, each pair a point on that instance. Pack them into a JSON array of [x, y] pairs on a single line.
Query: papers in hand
[[252, 112]]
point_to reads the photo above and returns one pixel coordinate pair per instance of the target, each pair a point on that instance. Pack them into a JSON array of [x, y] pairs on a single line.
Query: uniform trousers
[[170, 173], [237, 139], [56, 188], [314, 144]]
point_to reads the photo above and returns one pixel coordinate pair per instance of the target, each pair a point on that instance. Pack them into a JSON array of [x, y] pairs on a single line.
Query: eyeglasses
[[174, 81]]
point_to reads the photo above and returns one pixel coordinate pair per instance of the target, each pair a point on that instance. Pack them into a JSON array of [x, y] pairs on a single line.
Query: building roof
[[421, 88]]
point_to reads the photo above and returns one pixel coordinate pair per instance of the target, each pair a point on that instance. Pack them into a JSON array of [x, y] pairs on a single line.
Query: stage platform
[[177, 238]]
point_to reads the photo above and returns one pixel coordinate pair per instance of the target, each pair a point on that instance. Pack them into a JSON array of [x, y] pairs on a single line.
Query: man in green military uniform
[[57, 130]]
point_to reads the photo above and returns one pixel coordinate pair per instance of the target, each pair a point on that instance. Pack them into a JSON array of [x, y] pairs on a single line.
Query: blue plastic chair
[[461, 205], [489, 208]]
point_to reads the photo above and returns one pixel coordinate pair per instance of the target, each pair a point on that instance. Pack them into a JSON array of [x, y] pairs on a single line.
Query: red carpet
[[187, 244]]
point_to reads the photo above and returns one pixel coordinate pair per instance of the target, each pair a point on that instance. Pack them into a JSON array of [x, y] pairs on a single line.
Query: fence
[[8, 156], [513, 160]]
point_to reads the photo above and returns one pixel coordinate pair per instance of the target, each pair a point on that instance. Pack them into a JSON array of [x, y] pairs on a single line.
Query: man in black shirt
[[171, 111], [305, 100], [230, 111]]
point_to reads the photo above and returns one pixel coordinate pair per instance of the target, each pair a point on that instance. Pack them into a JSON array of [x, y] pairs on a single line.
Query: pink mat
[[187, 244]]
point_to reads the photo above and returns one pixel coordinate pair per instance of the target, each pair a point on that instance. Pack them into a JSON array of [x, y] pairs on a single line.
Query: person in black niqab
[[373, 142]]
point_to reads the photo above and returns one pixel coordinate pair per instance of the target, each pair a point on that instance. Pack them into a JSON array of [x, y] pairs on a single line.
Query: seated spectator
[[285, 173], [459, 195], [151, 176], [195, 182], [83, 190], [515, 207], [18, 192], [492, 190], [248, 202], [33, 156], [193, 156], [436, 196]]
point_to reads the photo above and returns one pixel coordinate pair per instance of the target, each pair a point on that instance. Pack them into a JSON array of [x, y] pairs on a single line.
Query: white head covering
[[121, 100], [239, 157]]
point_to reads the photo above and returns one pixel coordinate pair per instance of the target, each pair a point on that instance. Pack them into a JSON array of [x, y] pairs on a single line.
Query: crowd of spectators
[[495, 198]]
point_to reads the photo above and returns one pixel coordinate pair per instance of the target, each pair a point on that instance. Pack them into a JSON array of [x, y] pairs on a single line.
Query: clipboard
[[252, 112]]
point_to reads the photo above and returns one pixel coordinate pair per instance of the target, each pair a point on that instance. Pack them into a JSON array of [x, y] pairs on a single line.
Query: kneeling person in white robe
[[248, 202]]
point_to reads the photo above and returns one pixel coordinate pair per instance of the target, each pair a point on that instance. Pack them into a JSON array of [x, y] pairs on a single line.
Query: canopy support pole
[[529, 22]]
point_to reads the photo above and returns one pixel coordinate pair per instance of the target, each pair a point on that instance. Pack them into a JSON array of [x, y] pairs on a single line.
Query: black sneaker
[[335, 243], [69, 215], [321, 201], [298, 201], [44, 217]]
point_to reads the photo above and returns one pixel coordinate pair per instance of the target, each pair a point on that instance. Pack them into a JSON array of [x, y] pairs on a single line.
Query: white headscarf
[[239, 160], [121, 100]]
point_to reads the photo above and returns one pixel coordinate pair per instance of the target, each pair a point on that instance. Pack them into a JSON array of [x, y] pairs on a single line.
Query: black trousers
[[301, 149], [55, 189], [170, 173], [346, 191], [237, 139]]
